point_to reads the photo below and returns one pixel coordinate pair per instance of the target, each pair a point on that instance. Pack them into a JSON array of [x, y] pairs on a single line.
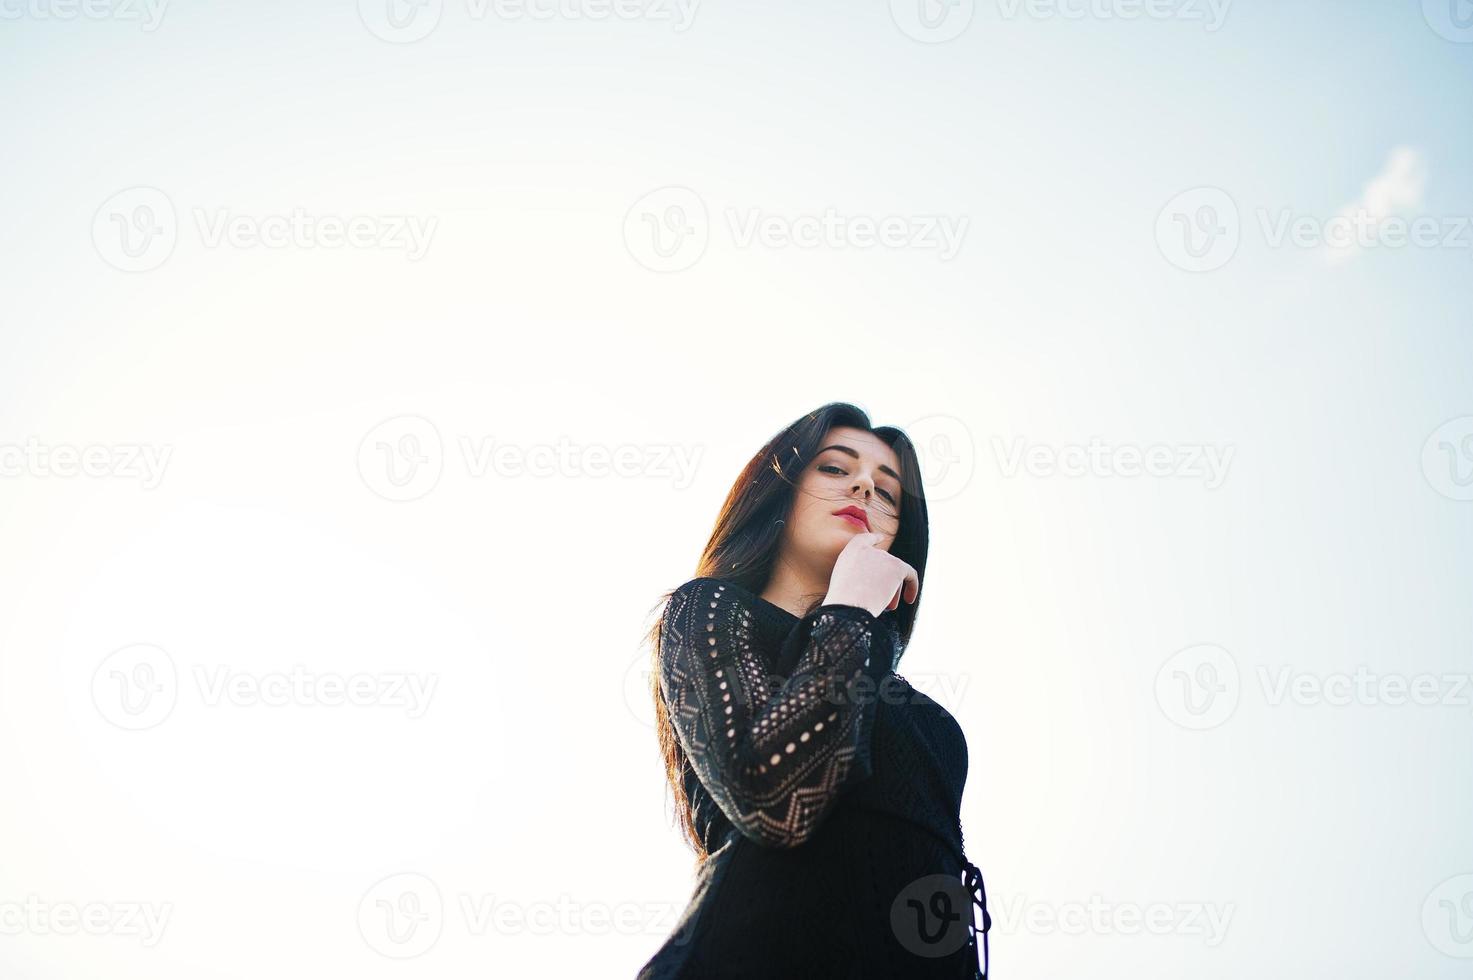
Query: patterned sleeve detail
[[773, 752]]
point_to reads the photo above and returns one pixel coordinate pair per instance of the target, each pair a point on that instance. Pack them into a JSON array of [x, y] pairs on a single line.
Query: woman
[[820, 792]]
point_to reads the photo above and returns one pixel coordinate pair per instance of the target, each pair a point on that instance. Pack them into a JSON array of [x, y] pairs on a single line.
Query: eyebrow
[[845, 449]]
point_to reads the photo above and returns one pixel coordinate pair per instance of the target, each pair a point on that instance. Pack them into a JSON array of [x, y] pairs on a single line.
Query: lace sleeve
[[774, 762]]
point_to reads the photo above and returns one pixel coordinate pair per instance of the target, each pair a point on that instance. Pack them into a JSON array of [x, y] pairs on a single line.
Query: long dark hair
[[744, 547]]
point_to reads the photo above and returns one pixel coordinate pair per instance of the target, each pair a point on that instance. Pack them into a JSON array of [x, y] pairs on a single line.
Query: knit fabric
[[826, 790]]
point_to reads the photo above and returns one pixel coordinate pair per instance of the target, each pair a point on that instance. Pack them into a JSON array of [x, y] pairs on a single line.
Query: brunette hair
[[744, 547]]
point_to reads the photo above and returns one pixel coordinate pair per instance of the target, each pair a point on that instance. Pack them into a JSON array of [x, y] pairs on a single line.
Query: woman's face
[[853, 469]]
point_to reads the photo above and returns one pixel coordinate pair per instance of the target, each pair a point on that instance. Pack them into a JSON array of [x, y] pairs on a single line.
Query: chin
[[841, 538]]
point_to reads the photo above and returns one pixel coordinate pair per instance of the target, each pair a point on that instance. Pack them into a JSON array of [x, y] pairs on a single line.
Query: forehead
[[868, 445]]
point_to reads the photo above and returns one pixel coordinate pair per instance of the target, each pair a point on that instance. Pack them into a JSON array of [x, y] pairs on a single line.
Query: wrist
[[839, 599]]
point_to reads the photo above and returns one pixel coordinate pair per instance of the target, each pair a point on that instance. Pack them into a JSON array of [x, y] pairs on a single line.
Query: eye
[[831, 468]]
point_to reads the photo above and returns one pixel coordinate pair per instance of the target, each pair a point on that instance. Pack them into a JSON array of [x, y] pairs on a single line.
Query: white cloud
[[1396, 189]]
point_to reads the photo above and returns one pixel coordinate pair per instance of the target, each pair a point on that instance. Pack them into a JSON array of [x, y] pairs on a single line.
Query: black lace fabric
[[772, 755], [826, 789]]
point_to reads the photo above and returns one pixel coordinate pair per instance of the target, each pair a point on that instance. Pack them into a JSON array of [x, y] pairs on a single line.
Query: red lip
[[856, 513]]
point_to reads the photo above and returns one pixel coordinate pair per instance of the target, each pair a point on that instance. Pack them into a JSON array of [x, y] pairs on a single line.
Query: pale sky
[[368, 372]]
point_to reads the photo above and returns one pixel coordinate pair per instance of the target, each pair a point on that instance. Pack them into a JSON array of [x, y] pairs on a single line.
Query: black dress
[[827, 792]]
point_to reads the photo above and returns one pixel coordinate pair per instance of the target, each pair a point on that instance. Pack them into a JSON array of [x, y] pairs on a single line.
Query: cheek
[[815, 517], [812, 512]]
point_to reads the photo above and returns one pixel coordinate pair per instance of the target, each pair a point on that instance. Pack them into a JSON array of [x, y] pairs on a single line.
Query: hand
[[867, 576]]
